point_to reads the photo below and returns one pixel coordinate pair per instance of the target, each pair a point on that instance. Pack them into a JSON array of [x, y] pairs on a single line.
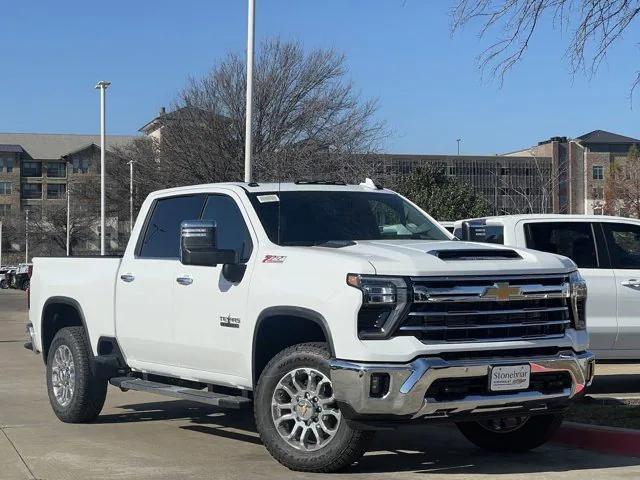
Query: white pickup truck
[[607, 252], [334, 309]]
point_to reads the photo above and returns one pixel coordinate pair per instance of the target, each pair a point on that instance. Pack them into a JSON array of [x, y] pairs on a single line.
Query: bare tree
[[622, 186], [309, 122], [594, 26]]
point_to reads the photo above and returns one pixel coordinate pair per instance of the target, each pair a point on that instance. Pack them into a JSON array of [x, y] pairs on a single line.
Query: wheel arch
[[58, 313], [300, 324]]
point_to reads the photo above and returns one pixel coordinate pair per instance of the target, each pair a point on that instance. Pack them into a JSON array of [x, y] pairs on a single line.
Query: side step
[[211, 398]]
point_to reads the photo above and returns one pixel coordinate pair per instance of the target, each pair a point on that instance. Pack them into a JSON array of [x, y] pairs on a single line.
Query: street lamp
[[251, 29], [26, 237], [130, 196], [68, 219], [102, 86], [458, 140]]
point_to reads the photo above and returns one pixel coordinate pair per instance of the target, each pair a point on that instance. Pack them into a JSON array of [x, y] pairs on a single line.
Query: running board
[[202, 396]]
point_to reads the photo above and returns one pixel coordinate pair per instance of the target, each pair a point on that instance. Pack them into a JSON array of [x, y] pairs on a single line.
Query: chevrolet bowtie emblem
[[502, 292]]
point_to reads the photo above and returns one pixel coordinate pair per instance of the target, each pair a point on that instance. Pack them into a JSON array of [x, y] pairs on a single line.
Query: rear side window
[[482, 233], [162, 234], [571, 239], [232, 232], [623, 240]]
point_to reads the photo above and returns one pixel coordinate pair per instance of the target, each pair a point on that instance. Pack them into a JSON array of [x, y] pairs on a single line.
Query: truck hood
[[436, 258]]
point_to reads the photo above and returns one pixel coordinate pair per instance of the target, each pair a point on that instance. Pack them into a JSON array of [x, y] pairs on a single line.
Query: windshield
[[317, 217]]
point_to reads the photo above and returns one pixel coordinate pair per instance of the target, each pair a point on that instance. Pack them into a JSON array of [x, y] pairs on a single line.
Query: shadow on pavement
[[420, 449]]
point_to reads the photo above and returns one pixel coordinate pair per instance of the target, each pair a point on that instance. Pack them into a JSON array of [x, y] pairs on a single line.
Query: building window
[[598, 172], [80, 164], [451, 170], [597, 193], [6, 162], [5, 210], [5, 188], [31, 169], [504, 171], [56, 190], [31, 190], [57, 170]]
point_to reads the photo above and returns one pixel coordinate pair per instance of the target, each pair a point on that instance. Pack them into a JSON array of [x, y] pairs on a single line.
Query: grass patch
[[622, 415]]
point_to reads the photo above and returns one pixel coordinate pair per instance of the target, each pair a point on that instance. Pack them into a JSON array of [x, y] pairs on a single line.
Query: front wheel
[[297, 416], [512, 434], [4, 284], [25, 285], [75, 394]]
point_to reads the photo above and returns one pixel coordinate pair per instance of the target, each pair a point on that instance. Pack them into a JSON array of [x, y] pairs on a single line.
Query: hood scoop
[[477, 254]]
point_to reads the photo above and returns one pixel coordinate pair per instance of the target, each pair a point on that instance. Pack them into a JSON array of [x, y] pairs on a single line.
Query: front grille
[[451, 389], [488, 309]]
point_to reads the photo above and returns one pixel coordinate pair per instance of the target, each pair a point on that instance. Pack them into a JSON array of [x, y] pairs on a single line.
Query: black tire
[[346, 446], [4, 284], [89, 391], [25, 285], [534, 432]]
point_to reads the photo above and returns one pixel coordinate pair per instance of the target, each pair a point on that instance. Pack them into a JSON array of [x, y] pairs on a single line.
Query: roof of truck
[[253, 187]]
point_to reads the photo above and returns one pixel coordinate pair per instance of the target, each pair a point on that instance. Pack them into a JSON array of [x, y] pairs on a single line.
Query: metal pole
[[68, 219], [0, 244], [251, 27], [130, 197], [26, 238], [102, 86], [458, 140]]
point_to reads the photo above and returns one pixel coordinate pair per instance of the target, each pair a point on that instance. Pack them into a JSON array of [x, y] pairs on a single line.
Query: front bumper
[[407, 397]]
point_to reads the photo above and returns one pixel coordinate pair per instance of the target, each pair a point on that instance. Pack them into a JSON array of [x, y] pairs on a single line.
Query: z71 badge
[[229, 321]]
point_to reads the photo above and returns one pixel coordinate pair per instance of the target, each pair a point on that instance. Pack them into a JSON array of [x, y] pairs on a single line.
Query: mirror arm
[[234, 273]]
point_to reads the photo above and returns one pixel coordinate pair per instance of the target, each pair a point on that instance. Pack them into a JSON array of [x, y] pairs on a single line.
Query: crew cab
[[607, 252], [335, 310]]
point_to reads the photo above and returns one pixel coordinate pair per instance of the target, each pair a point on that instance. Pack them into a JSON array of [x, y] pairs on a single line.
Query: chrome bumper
[[409, 383]]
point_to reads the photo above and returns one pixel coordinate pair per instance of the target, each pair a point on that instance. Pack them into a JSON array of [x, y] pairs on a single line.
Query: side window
[[571, 239], [162, 235], [485, 233], [623, 240], [231, 228]]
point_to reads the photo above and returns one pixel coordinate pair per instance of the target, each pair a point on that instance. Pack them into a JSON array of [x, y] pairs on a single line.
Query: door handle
[[632, 283], [127, 277], [184, 280]]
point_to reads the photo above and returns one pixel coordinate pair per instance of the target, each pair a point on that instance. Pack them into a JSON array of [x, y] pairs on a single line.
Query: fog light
[[379, 385]]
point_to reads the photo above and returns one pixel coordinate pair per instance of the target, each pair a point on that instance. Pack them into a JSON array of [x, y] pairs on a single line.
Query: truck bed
[[87, 281]]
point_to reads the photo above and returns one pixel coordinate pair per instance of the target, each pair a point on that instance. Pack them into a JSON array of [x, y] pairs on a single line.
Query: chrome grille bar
[[489, 312], [487, 326], [477, 293]]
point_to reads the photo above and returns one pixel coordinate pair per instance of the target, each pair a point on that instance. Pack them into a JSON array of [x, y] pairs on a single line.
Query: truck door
[[211, 331], [577, 240], [623, 242], [144, 291]]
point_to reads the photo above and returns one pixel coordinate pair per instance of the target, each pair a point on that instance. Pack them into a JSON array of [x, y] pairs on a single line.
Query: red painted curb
[[619, 441]]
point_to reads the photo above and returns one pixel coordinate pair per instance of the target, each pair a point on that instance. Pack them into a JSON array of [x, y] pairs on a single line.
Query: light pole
[[0, 244], [26, 237], [458, 140], [102, 86], [251, 28], [68, 219], [130, 196]]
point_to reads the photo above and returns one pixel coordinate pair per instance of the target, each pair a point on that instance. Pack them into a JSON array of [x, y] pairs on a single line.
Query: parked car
[[22, 277], [449, 226], [334, 309], [607, 252], [10, 277], [4, 281]]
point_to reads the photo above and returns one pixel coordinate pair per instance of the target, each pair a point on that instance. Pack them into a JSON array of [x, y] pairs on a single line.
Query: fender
[[64, 301]]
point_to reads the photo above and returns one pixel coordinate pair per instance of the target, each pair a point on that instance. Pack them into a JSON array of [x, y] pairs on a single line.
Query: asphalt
[[143, 436]]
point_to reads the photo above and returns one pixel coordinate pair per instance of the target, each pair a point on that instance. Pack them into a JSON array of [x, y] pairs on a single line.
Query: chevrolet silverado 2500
[[334, 310]]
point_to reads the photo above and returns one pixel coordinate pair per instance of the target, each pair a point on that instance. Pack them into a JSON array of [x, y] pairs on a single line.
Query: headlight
[[384, 301], [578, 298]]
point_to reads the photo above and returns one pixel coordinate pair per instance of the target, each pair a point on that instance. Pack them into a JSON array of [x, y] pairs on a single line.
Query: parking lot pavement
[[142, 436]]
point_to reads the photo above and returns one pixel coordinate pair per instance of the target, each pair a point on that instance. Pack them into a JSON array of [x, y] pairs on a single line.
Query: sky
[[400, 52]]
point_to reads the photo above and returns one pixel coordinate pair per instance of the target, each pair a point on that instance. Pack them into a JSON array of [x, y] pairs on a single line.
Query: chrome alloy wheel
[[63, 375], [504, 425], [304, 409]]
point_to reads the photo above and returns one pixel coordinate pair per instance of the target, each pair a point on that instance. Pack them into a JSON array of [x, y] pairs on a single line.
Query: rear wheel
[[4, 284], [75, 394], [511, 434], [297, 416], [25, 285]]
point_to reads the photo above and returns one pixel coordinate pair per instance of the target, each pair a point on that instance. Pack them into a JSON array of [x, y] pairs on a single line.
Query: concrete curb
[[619, 441]]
